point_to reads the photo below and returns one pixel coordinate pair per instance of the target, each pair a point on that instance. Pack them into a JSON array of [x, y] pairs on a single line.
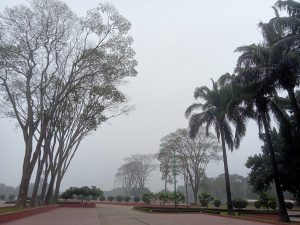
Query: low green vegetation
[[7, 210], [82, 193]]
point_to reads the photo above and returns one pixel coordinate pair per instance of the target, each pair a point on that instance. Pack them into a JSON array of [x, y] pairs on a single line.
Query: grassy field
[[7, 209]]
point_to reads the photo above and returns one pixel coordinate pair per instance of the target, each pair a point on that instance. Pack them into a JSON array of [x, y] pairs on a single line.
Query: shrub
[[257, 204], [163, 196], [289, 205], [127, 198], [147, 197], [217, 203], [239, 204], [136, 199], [102, 198], [272, 204], [119, 198], [110, 198], [11, 197], [2, 197], [267, 200], [205, 198]]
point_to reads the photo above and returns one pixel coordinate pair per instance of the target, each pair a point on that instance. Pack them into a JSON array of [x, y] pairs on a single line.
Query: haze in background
[[179, 46]]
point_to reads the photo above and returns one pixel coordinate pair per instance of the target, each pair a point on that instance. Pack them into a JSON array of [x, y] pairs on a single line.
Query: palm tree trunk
[[227, 181], [294, 106], [282, 213]]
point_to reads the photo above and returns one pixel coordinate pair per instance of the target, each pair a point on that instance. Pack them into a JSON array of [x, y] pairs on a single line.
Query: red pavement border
[[6, 217]]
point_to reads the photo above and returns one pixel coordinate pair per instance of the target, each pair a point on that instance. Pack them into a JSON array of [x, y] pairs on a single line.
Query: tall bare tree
[[192, 155], [45, 52]]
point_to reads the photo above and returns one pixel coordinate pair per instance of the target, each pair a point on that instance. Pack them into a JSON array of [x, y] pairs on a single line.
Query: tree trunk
[[227, 181], [49, 196], [294, 106], [165, 185], [44, 187], [36, 184], [57, 186], [282, 213], [186, 193], [195, 192], [23, 190]]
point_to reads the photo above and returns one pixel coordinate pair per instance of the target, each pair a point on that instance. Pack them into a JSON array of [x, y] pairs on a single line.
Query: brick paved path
[[122, 215]]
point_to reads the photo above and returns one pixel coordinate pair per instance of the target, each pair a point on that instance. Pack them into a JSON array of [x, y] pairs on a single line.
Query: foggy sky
[[179, 46]]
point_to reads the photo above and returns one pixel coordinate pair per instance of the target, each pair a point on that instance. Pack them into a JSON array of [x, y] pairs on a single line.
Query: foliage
[[192, 155], [2, 197], [11, 197], [136, 199], [102, 198], [205, 198], [239, 204], [267, 200], [148, 197], [119, 198], [110, 198], [217, 203], [257, 204], [163, 196], [127, 198], [289, 205], [83, 192]]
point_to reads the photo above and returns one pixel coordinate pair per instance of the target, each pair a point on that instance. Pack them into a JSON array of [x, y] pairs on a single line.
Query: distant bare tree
[[192, 155], [135, 171], [46, 52]]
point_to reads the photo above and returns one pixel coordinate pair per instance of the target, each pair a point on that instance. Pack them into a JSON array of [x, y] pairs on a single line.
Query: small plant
[[257, 204], [289, 205], [267, 200], [127, 198], [136, 199], [11, 197], [205, 198], [119, 198], [217, 203], [239, 204], [147, 197], [102, 198], [110, 198]]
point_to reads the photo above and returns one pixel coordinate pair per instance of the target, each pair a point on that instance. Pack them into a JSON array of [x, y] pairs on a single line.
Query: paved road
[[122, 215]]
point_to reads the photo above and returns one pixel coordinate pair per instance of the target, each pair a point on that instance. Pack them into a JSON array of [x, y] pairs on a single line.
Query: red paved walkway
[[122, 215], [61, 216]]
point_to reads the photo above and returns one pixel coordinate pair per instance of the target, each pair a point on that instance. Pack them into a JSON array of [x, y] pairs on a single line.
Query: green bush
[[147, 197], [273, 204], [217, 203], [289, 205], [239, 204], [11, 197], [257, 204], [205, 198], [102, 198], [136, 199], [2, 197], [267, 200], [110, 198], [119, 198], [127, 198]]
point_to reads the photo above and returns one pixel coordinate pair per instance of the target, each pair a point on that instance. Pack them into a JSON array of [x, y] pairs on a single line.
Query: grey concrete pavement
[[123, 215]]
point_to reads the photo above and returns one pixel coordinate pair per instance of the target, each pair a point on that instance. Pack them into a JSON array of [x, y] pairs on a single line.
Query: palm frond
[[191, 108]]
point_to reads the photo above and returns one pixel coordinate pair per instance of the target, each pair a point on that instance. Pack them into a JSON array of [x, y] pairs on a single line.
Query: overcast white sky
[[179, 46]]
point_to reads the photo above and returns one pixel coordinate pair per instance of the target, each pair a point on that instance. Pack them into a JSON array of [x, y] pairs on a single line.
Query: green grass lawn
[[7, 210]]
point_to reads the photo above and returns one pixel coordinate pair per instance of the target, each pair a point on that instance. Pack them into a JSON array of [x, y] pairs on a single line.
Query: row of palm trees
[[251, 92]]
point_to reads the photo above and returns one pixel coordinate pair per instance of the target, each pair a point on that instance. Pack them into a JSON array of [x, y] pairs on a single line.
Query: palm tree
[[281, 39], [217, 110], [257, 94]]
